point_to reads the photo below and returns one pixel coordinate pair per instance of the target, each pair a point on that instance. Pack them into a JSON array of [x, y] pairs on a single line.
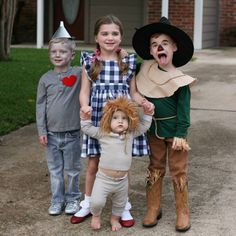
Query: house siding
[[210, 24], [129, 12]]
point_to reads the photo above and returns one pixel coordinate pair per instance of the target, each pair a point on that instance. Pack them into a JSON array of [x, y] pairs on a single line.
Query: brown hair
[[96, 65]]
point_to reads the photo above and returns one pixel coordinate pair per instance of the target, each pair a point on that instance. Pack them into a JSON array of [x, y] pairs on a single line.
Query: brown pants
[[177, 160]]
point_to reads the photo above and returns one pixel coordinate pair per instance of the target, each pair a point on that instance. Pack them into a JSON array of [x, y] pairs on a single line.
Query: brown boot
[[153, 195], [182, 208]]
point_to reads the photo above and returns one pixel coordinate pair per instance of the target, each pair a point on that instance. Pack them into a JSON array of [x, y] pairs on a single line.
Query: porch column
[[198, 21], [165, 8], [40, 23]]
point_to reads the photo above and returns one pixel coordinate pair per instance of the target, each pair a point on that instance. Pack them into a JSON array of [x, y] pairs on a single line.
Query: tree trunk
[[7, 15]]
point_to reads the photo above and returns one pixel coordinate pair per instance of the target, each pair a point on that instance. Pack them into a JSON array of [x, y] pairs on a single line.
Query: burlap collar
[[155, 83]]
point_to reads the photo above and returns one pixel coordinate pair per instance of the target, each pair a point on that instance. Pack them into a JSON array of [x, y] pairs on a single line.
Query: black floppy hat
[[141, 41]]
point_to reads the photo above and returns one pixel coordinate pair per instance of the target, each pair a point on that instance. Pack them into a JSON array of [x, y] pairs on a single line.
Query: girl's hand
[[43, 139], [148, 107], [85, 112], [86, 109], [85, 116]]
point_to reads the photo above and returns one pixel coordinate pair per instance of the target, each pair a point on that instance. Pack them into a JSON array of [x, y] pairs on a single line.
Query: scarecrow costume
[[170, 93]]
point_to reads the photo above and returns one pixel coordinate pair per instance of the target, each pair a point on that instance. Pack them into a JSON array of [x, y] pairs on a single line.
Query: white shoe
[[126, 215], [83, 213], [84, 210]]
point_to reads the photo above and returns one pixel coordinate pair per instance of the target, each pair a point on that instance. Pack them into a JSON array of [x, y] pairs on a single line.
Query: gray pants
[[104, 186]]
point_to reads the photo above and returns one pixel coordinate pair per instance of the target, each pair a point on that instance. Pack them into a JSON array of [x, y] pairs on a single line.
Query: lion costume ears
[[120, 104]]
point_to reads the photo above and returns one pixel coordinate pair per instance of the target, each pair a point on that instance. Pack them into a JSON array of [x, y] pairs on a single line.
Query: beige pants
[[104, 186]]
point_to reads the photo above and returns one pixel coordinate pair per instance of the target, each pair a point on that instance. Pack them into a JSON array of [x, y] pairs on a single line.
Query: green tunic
[[172, 114]]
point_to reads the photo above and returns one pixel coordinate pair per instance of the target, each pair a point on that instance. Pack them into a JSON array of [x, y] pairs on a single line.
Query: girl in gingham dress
[[109, 85], [107, 74]]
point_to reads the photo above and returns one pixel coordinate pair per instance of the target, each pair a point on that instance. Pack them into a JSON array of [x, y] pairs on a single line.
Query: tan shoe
[[153, 196], [182, 209]]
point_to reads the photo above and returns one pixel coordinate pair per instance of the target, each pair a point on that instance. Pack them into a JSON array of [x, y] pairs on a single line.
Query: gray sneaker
[[72, 207], [55, 209]]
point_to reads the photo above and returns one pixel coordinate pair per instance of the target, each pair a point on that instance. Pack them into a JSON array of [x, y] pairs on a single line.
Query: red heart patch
[[69, 81]]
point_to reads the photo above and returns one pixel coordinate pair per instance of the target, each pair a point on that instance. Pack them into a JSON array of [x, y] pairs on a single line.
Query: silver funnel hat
[[61, 32]]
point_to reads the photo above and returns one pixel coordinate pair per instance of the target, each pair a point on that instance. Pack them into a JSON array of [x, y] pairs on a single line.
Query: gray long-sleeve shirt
[[57, 106]]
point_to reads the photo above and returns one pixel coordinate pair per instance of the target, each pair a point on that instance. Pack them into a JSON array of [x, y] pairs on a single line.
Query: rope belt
[[164, 118], [159, 119]]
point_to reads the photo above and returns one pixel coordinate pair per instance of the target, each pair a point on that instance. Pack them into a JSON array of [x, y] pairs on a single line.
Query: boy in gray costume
[[58, 122]]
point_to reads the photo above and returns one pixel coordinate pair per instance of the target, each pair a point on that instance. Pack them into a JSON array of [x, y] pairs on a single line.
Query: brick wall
[[24, 30], [227, 23], [154, 10], [181, 13]]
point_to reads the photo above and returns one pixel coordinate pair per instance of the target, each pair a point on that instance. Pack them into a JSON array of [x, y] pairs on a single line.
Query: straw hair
[[119, 104]]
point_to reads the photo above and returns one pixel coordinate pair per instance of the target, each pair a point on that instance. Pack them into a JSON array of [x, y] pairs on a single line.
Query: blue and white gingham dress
[[109, 85]]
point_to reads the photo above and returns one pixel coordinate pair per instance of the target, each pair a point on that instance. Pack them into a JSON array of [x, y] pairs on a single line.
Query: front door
[[71, 12]]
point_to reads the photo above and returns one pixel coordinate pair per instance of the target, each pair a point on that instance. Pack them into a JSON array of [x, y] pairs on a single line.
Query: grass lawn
[[19, 78]]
